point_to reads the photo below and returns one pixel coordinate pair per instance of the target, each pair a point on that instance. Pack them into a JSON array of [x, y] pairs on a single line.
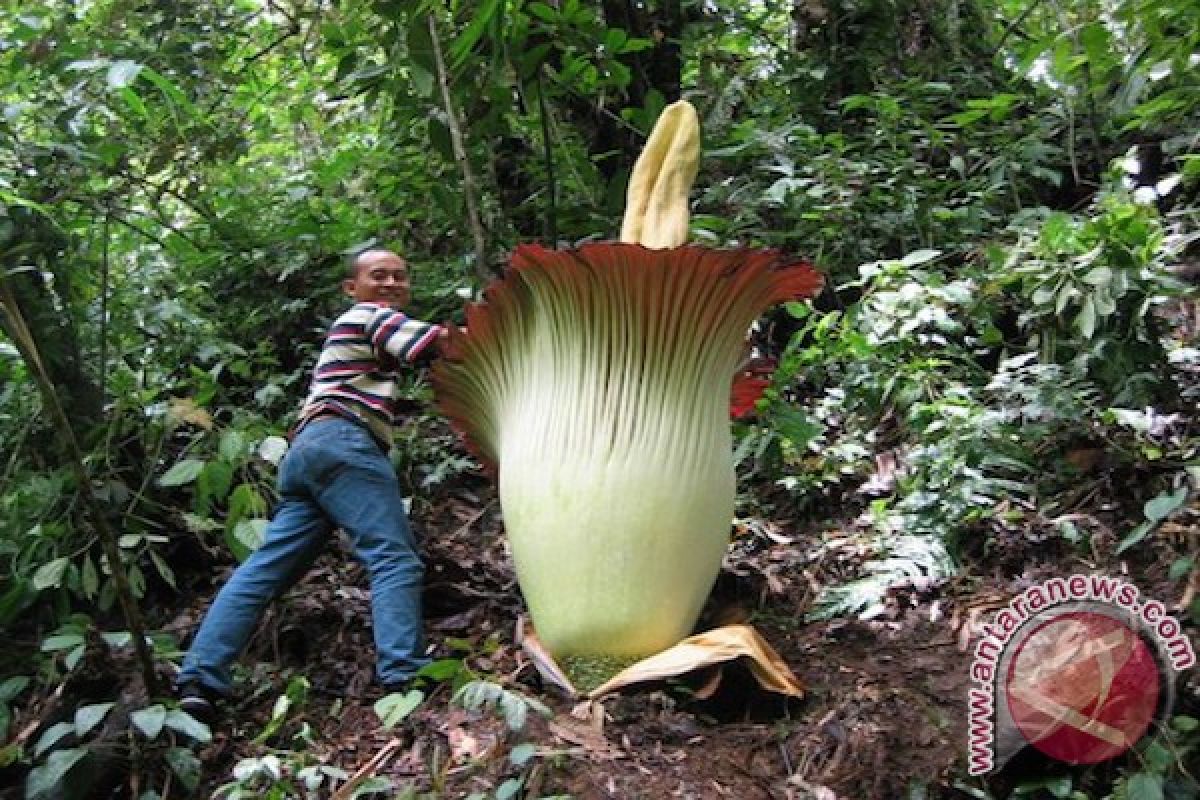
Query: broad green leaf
[[184, 472], [1164, 504], [920, 257], [1105, 305], [1180, 567], [89, 716], [44, 781], [72, 659], [5, 721], [273, 449], [12, 687], [1145, 786], [50, 575], [118, 639], [1100, 276], [171, 92], [62, 641], [198, 524], [373, 785], [795, 426], [1058, 232], [51, 736], [188, 725], [441, 670], [149, 720], [420, 45], [522, 753], [213, 483], [137, 581], [122, 73], [1185, 724], [509, 789], [164, 571], [1156, 758], [185, 765], [543, 12], [233, 446], [422, 80], [245, 501], [246, 537], [480, 19], [1086, 321], [1097, 43], [89, 578], [282, 704], [134, 102], [1043, 294], [394, 708], [1135, 536], [1065, 295]]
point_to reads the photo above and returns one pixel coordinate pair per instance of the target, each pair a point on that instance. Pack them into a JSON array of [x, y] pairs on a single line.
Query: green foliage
[[1155, 510], [1091, 285], [394, 708], [1002, 194], [57, 768], [514, 707], [291, 701], [274, 777], [910, 362]]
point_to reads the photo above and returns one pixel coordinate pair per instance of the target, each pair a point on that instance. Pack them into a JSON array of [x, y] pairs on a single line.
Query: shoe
[[199, 701], [402, 686]]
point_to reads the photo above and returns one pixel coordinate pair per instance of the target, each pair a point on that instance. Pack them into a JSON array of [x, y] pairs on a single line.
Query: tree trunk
[[41, 287]]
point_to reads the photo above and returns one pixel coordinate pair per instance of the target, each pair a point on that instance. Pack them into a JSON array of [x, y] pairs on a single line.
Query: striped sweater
[[356, 372]]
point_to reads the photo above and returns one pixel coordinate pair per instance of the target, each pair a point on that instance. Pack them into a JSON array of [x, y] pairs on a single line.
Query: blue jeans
[[334, 474]]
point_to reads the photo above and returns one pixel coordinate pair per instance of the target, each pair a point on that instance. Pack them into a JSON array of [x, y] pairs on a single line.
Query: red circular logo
[[1082, 687]]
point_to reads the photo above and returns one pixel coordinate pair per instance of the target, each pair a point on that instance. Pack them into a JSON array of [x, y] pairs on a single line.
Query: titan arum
[[596, 381]]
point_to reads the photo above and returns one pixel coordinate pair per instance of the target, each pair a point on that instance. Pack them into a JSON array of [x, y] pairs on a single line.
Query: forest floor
[[884, 715]]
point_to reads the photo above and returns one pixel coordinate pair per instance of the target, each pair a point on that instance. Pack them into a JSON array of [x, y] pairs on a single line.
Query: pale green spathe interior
[[598, 381]]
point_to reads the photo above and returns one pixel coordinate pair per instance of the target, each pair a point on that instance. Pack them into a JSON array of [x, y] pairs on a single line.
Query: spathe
[[708, 649]]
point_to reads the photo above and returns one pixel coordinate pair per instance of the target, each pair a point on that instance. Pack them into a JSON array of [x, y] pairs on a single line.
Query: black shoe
[[402, 686], [199, 702]]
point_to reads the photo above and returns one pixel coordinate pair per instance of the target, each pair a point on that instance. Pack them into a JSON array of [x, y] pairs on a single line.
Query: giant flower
[[596, 381]]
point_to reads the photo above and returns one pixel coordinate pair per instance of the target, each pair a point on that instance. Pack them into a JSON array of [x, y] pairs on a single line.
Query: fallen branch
[[369, 769]]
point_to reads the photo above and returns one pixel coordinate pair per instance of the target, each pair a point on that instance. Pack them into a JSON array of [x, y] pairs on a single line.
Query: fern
[[903, 558], [483, 695]]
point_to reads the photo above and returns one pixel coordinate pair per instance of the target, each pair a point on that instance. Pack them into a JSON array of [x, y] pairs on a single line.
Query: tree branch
[[482, 269], [548, 150]]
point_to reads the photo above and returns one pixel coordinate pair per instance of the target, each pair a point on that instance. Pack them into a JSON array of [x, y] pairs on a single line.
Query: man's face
[[381, 277]]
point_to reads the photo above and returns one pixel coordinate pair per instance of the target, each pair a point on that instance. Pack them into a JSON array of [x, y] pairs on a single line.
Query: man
[[336, 474]]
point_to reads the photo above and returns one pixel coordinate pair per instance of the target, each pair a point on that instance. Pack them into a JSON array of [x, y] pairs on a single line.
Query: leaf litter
[[884, 709]]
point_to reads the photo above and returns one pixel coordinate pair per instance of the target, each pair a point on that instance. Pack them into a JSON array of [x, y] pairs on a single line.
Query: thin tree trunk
[[548, 151], [108, 539], [482, 268]]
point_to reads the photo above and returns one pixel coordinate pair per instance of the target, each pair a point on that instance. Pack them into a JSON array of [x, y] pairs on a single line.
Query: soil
[[884, 715]]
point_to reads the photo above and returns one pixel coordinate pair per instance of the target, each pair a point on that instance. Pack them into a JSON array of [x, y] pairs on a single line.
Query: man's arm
[[400, 336]]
